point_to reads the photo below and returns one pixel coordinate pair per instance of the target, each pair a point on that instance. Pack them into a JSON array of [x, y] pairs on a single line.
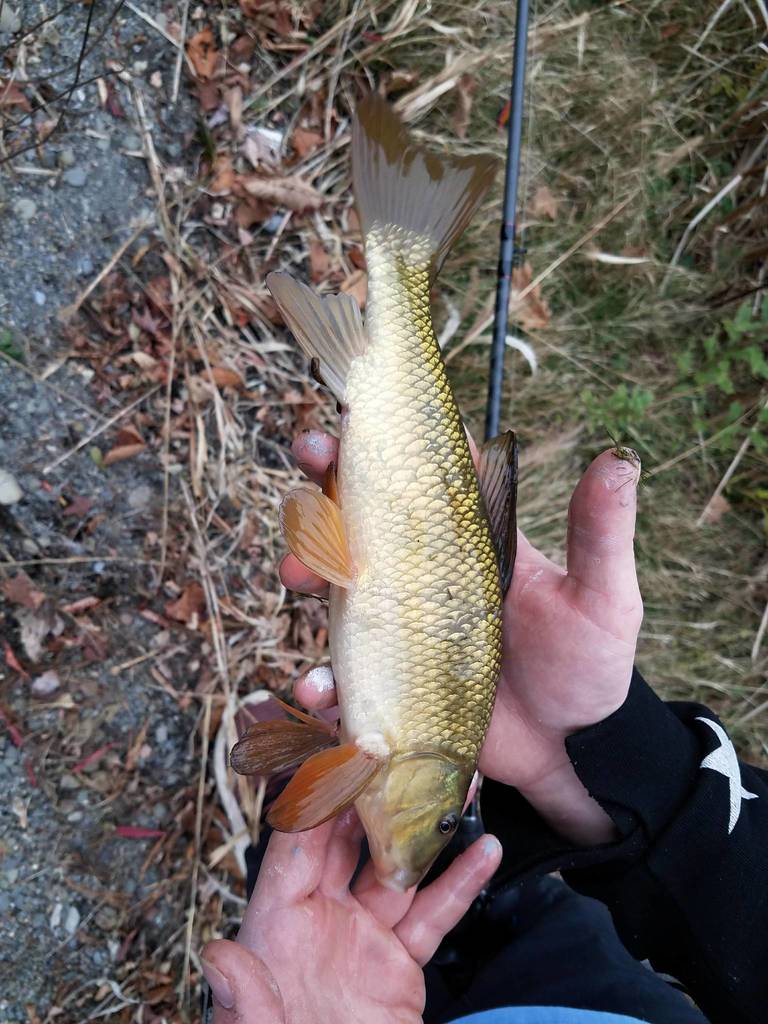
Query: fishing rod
[[508, 251]]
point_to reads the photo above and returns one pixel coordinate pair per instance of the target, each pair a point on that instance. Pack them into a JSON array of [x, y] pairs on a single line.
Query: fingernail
[[222, 990], [320, 678], [626, 454], [491, 846]]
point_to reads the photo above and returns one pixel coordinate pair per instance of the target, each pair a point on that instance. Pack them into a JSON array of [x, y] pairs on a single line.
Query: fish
[[417, 543]]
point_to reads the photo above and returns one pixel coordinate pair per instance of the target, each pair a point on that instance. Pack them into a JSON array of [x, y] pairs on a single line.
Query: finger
[[441, 906], [296, 576], [601, 529], [343, 854], [316, 688], [387, 905], [243, 988], [292, 869], [313, 451]]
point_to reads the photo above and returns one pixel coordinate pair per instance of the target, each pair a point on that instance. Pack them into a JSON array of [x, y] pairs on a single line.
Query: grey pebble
[[131, 142], [5, 903], [75, 176], [67, 157], [161, 734], [39, 297], [139, 497], [72, 920], [25, 209], [107, 919], [68, 782], [75, 816]]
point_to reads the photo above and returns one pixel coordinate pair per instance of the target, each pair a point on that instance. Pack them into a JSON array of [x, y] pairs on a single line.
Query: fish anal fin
[[323, 786], [497, 476], [329, 329], [315, 534], [269, 747], [397, 184]]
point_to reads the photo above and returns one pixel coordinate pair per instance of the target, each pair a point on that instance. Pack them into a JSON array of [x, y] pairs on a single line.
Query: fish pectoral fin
[[314, 531], [330, 329], [323, 786], [330, 484], [269, 747], [497, 476]]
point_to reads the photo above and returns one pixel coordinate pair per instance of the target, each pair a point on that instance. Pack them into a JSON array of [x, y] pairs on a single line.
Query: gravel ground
[[80, 904]]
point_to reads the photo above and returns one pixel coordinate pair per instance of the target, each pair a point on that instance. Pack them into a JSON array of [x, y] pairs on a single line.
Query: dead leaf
[[544, 204], [305, 142], [319, 261], [82, 605], [12, 96], [356, 285], [235, 106], [262, 146], [78, 507], [128, 443], [531, 311], [112, 102], [223, 175], [208, 95], [34, 629], [465, 88], [13, 663], [188, 606], [292, 192], [716, 508], [202, 52], [20, 590], [223, 377]]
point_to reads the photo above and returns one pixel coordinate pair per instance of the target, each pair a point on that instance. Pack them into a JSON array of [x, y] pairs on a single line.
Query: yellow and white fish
[[418, 546]]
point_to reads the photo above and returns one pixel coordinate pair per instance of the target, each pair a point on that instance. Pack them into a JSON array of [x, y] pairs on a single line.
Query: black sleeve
[[686, 880]]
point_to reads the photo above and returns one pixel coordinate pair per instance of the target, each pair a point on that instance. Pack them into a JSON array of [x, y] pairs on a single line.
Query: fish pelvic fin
[[314, 531], [324, 785], [413, 200], [497, 476], [329, 329], [266, 748]]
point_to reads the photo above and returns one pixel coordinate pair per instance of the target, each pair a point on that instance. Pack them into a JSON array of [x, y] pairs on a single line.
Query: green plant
[[619, 413], [9, 347]]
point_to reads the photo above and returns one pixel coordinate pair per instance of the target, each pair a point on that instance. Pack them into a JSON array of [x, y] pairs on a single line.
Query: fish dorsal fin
[[329, 330], [406, 193], [314, 531], [323, 786], [269, 747], [497, 476]]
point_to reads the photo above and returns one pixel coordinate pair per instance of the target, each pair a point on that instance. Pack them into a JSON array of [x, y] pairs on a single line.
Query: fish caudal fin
[[497, 476], [323, 786], [314, 531], [408, 198], [269, 747], [329, 330]]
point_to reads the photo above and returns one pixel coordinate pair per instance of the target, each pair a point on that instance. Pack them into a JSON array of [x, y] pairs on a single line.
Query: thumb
[[601, 530], [244, 990]]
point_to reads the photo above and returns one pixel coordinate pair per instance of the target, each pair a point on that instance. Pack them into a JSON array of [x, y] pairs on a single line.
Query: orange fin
[[323, 786], [313, 528], [330, 484], [269, 747], [302, 716]]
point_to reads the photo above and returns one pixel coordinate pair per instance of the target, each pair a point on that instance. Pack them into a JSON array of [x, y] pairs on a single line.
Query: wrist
[[561, 799]]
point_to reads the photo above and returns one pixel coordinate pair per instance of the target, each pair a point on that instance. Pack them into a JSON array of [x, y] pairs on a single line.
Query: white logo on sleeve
[[724, 761]]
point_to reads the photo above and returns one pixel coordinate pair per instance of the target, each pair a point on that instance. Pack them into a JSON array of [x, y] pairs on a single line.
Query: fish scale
[[416, 642]]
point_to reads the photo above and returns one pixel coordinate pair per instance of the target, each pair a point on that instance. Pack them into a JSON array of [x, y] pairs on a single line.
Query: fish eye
[[448, 824]]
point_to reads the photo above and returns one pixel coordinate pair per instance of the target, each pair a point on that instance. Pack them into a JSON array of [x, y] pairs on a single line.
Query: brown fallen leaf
[[223, 175], [188, 606], [531, 311], [223, 377], [292, 192], [356, 285], [465, 89], [305, 142], [20, 590], [202, 52], [128, 443], [544, 204], [78, 507], [12, 96], [716, 508]]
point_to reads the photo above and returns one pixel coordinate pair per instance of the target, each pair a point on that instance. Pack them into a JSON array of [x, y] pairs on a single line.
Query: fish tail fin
[[409, 199]]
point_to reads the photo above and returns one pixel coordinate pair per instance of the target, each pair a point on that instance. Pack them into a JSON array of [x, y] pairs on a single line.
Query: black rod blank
[[507, 250]]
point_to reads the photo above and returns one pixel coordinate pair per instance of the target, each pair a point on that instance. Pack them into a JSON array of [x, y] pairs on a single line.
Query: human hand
[[569, 640], [311, 949]]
